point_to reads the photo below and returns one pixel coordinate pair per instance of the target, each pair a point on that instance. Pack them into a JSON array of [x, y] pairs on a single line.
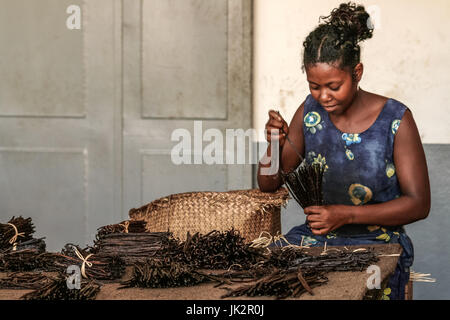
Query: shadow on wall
[[431, 236]]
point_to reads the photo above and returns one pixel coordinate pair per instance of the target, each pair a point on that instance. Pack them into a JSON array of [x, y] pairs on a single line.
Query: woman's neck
[[352, 119]]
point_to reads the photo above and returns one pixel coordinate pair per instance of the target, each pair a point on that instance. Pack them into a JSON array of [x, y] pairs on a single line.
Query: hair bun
[[351, 21]]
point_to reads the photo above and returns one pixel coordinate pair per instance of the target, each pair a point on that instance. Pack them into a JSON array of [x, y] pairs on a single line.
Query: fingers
[[320, 232], [272, 123], [285, 128], [314, 218], [313, 210], [275, 115], [276, 121], [274, 134], [271, 136], [315, 222], [317, 225], [276, 127]]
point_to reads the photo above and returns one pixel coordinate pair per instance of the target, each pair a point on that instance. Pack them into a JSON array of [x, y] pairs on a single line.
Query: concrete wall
[[407, 59]]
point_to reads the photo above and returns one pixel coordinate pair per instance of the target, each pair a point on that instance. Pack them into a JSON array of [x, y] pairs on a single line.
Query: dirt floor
[[341, 285]]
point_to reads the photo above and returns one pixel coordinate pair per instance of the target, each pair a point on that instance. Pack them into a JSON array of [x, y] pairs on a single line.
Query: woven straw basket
[[249, 211]]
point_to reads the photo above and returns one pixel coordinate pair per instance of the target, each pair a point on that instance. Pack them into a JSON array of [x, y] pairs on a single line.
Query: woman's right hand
[[276, 122]]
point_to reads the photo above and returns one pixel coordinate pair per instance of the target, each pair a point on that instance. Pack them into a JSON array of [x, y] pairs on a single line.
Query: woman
[[376, 178]]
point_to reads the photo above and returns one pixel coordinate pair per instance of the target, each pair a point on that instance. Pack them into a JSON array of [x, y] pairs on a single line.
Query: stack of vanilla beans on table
[[130, 241], [18, 248], [280, 271], [25, 260], [158, 260]]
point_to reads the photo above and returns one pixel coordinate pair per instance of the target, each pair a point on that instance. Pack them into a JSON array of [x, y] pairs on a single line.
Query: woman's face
[[332, 87]]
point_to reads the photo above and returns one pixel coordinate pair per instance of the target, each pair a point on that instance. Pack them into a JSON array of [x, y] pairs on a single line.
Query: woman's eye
[[335, 89], [314, 88]]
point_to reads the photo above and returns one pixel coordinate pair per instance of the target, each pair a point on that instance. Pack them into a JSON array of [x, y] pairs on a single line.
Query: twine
[[264, 242], [420, 277], [125, 225], [85, 261], [17, 234], [324, 252], [280, 237]]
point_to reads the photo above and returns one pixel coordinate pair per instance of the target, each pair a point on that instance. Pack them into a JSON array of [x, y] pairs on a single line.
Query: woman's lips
[[330, 107]]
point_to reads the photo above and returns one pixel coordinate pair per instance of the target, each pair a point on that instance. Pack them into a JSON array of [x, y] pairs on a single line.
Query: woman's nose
[[324, 97]]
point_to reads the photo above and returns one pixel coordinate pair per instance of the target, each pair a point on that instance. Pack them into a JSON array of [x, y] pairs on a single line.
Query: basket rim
[[279, 197]]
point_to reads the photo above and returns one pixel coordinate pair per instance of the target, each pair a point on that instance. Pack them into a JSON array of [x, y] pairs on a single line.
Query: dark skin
[[354, 110]]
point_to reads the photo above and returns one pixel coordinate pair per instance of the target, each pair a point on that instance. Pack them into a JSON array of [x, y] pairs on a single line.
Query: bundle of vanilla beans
[[92, 265], [26, 256], [290, 271], [163, 273], [130, 241], [92, 268], [305, 183], [127, 226], [281, 284], [215, 250], [34, 244], [15, 231], [24, 280], [55, 288], [21, 260], [50, 288]]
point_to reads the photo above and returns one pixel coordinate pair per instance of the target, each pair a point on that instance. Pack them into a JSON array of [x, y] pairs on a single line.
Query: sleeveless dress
[[359, 170]]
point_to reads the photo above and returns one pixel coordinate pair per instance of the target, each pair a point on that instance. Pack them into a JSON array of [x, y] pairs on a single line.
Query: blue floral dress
[[359, 170]]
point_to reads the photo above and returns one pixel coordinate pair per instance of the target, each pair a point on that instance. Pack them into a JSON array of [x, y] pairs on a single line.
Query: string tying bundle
[[16, 235], [85, 261]]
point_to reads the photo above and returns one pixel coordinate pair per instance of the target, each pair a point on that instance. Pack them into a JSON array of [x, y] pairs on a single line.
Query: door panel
[[58, 109], [183, 61], [37, 58]]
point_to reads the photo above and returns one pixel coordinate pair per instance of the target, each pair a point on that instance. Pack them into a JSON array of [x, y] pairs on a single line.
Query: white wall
[[407, 58]]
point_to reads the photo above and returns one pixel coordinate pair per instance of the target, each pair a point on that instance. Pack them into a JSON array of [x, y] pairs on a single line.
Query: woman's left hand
[[324, 219]]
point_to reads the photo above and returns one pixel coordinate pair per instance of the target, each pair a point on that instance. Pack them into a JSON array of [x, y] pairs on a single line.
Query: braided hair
[[336, 40]]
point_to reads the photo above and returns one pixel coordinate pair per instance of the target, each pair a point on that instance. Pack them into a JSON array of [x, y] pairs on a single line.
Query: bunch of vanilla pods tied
[[25, 260]]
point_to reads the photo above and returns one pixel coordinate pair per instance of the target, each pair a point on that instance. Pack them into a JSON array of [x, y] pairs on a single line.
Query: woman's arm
[[412, 173], [289, 157]]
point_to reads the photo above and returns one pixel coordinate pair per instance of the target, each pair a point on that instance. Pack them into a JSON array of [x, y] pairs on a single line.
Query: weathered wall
[[406, 59]]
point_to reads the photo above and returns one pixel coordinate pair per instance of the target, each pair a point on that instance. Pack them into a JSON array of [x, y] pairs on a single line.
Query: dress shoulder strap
[[392, 115], [310, 104]]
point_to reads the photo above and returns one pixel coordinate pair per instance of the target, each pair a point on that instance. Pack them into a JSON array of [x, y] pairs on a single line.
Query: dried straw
[[421, 277]]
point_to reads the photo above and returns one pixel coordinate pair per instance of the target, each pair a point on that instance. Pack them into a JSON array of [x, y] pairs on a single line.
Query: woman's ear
[[358, 72]]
